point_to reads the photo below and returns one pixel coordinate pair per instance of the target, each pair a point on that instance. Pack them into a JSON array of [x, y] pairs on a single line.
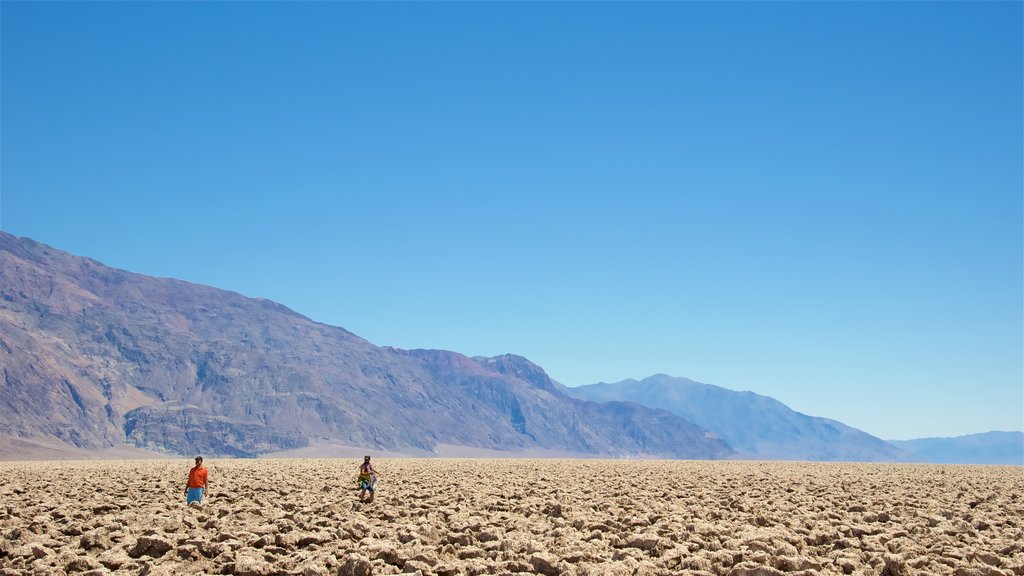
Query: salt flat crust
[[505, 516]]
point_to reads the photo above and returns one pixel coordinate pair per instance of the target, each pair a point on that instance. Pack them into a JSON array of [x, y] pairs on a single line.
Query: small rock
[[72, 529], [794, 564], [381, 550], [212, 549], [752, 569], [114, 559], [150, 569], [758, 546], [247, 565], [92, 540], [150, 546], [488, 535], [427, 557], [355, 565], [990, 559], [786, 549], [308, 539], [413, 566], [313, 570], [40, 551], [288, 541], [545, 564], [697, 563], [459, 538], [20, 551], [644, 541], [470, 552], [82, 564], [895, 566], [429, 534]]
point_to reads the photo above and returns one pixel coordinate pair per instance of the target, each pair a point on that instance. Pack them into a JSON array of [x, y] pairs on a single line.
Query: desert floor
[[475, 516]]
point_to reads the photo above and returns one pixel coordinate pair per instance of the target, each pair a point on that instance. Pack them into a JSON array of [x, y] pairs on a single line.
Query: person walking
[[197, 483], [367, 478]]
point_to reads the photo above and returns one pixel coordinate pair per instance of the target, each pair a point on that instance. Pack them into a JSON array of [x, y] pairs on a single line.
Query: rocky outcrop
[[181, 429]]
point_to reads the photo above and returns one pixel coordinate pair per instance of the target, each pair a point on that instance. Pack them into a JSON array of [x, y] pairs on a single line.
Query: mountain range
[[985, 448], [756, 426], [97, 358]]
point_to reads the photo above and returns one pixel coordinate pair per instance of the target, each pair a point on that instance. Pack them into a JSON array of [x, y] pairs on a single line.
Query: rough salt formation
[[551, 517]]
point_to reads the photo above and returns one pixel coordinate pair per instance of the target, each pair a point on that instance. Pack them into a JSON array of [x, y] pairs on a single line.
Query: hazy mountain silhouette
[[97, 357], [755, 425], [984, 448]]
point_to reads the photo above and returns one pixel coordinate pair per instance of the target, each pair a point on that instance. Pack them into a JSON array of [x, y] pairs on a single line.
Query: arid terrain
[[493, 516]]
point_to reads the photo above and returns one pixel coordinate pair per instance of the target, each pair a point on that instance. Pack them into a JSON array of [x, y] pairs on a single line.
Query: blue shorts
[[194, 495]]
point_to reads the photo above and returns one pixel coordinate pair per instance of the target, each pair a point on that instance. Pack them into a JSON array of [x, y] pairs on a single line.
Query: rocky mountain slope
[[755, 425], [97, 357]]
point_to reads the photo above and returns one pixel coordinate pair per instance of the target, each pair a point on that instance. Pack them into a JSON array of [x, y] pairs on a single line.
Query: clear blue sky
[[816, 201]]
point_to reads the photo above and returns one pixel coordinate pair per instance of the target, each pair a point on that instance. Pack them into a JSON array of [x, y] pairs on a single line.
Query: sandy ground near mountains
[[447, 517], [25, 449]]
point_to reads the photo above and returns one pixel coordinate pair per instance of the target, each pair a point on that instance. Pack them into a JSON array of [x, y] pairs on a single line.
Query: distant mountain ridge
[[757, 426], [96, 357], [995, 447]]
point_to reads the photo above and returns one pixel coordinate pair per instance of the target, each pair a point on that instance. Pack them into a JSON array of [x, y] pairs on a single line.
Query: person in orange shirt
[[196, 487]]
